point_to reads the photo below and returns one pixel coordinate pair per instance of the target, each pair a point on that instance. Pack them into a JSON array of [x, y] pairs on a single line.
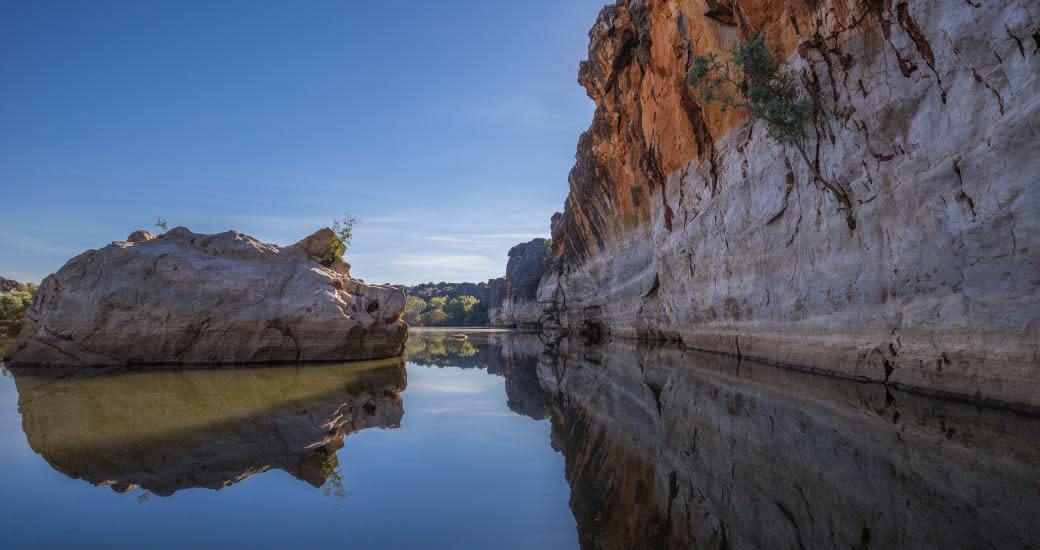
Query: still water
[[507, 440]]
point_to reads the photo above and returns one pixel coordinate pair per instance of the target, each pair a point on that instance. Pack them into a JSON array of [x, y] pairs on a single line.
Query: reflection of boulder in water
[[672, 448], [166, 430]]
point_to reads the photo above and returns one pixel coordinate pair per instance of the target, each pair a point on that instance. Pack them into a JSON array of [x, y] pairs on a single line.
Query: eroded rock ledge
[[686, 223], [188, 298]]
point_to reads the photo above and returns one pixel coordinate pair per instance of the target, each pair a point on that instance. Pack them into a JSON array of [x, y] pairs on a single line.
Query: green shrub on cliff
[[13, 303], [759, 82]]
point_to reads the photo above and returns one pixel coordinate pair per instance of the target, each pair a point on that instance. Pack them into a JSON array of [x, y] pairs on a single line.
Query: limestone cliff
[[684, 222], [512, 300]]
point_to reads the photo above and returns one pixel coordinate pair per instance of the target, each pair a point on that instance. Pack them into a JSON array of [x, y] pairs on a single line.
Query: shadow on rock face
[[170, 429]]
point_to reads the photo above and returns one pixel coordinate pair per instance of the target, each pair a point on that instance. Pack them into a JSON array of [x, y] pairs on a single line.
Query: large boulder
[[187, 298]]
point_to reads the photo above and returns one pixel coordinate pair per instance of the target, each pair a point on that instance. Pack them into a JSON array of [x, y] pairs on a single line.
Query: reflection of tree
[[333, 478], [5, 344], [430, 348]]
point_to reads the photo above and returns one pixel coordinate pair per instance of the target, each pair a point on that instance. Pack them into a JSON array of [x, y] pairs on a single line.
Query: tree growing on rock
[[758, 81], [344, 230]]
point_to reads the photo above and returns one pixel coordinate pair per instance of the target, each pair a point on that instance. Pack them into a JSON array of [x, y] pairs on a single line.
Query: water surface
[[507, 440], [381, 454]]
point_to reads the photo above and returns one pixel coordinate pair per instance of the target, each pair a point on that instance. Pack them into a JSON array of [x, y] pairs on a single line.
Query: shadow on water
[[663, 447], [164, 430]]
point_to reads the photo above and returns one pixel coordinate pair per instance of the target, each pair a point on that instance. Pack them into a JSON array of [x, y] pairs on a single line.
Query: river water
[[507, 440]]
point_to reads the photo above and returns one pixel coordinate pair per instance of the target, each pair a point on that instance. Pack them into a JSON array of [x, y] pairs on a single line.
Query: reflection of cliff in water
[[673, 448], [165, 430], [511, 355]]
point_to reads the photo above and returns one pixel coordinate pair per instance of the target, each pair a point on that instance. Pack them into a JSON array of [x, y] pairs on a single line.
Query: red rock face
[[649, 125], [689, 223]]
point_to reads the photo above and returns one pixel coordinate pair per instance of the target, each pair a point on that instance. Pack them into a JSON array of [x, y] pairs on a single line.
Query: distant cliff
[[687, 223], [8, 284], [512, 300]]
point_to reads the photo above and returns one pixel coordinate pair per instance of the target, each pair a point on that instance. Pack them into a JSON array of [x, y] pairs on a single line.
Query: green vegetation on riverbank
[[446, 305], [13, 303]]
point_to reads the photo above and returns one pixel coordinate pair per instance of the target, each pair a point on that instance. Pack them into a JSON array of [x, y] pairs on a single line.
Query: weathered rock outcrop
[[164, 430], [685, 222], [8, 284], [186, 298], [512, 301], [674, 448]]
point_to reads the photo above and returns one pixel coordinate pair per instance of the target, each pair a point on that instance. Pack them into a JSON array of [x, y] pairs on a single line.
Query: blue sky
[[447, 127]]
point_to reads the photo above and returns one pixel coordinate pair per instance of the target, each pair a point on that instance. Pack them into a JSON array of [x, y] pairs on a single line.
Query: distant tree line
[[446, 305], [14, 300]]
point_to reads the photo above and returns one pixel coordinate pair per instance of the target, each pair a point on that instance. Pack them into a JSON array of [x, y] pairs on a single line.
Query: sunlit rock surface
[[668, 448], [189, 298], [684, 222], [164, 430]]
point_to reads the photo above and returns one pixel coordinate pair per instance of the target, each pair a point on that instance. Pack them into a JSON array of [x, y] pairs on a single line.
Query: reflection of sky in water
[[462, 471]]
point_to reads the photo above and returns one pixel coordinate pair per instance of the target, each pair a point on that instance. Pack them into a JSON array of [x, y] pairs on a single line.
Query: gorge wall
[[687, 223], [512, 300]]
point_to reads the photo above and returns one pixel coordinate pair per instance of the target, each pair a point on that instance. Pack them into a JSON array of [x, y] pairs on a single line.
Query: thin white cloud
[[462, 411], [26, 242], [20, 276], [455, 386], [468, 238], [528, 110], [445, 262]]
